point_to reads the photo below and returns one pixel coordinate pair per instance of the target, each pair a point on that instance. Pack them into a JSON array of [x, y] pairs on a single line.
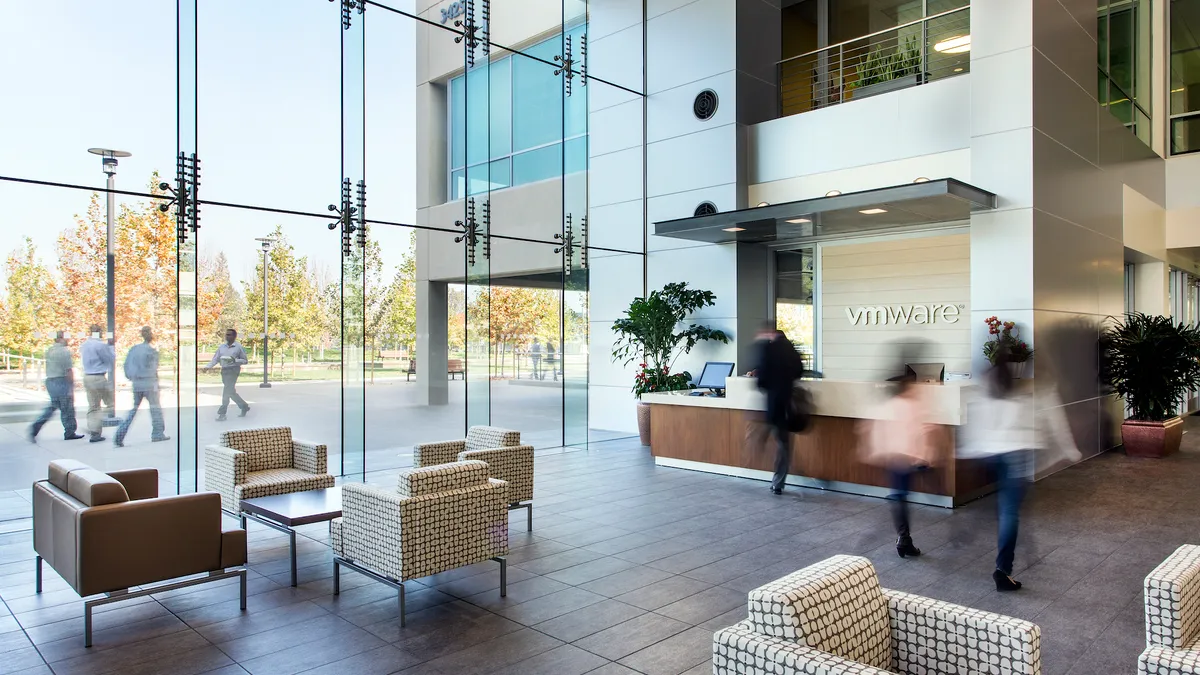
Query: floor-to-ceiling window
[[1124, 78], [1185, 76], [302, 183], [795, 300]]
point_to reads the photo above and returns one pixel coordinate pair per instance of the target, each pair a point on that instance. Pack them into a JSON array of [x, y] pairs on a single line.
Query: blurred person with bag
[[900, 440], [1002, 430], [788, 408]]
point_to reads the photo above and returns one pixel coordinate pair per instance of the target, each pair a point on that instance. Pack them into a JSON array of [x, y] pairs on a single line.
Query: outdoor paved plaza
[[630, 568]]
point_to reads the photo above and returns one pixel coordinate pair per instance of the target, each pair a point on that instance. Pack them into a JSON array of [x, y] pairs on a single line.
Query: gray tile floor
[[629, 569]]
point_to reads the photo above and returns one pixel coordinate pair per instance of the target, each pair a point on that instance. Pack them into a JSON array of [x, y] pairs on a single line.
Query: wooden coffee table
[[284, 512]]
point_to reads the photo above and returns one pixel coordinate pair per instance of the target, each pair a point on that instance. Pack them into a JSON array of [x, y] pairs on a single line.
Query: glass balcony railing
[[933, 48]]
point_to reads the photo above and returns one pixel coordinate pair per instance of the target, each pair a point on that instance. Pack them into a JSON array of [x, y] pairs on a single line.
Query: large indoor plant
[[652, 333], [1152, 362]]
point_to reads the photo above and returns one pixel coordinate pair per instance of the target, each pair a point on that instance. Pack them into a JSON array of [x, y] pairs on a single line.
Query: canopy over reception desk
[[717, 435]]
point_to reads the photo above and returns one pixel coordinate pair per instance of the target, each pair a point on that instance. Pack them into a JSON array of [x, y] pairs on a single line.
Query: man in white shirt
[[97, 358], [231, 357]]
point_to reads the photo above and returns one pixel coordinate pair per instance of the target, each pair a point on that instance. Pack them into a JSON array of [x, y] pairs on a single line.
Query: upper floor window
[[1123, 29], [1185, 76], [510, 123]]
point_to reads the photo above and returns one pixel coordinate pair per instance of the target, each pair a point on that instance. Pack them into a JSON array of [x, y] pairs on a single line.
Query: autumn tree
[[29, 304], [145, 279], [220, 304], [294, 304]]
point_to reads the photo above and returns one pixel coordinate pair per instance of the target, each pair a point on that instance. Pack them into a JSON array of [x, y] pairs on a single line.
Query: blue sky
[[77, 74]]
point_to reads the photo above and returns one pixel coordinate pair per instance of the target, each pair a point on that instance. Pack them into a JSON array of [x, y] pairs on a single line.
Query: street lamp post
[[266, 250], [108, 163]]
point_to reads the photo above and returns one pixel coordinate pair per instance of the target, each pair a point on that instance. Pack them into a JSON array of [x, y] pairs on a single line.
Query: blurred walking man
[[232, 357], [141, 368], [779, 366], [98, 359], [60, 384]]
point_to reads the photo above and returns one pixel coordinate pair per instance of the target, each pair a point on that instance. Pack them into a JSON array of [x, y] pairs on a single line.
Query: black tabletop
[[298, 508]]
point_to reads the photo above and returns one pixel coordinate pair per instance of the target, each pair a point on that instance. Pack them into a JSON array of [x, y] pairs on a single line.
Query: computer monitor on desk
[[926, 372], [713, 378]]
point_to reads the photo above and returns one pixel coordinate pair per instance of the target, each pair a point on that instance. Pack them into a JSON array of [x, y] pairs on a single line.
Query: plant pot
[[643, 417], [886, 86], [1018, 370], [1152, 439]]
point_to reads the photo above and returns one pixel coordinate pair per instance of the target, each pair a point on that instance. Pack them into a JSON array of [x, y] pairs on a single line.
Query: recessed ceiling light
[[799, 220], [921, 179], [872, 212], [764, 204], [733, 229], [954, 45], [833, 193]]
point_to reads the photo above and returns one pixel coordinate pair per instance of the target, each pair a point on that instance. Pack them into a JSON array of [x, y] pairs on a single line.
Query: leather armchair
[[107, 533]]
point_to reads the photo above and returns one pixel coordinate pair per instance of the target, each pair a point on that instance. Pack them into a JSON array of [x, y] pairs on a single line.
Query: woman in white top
[[1002, 430]]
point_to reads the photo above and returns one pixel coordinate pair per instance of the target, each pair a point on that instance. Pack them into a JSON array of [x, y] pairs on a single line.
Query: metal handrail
[[877, 33]]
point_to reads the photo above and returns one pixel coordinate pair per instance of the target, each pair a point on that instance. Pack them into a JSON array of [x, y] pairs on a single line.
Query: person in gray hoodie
[[141, 369]]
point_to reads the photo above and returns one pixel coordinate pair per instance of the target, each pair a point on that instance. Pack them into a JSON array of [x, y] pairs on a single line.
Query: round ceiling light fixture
[[954, 45], [833, 193], [921, 179], [762, 204]]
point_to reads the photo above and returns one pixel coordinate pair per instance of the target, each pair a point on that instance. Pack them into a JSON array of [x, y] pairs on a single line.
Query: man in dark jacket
[[779, 366]]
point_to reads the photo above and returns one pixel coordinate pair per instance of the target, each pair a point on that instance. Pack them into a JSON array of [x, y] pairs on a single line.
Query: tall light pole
[[266, 251], [108, 163]]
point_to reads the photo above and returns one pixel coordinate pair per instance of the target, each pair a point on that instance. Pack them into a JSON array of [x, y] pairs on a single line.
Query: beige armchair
[[1172, 599], [106, 533], [438, 518], [252, 463], [507, 460]]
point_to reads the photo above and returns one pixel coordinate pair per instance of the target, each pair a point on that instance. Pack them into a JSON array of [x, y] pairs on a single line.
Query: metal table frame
[[279, 527]]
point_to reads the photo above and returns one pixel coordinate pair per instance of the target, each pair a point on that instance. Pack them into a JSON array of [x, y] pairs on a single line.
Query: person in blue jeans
[[141, 368], [60, 385]]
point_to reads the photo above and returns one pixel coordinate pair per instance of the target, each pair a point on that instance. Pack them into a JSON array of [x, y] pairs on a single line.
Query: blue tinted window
[[537, 103], [458, 123], [537, 164]]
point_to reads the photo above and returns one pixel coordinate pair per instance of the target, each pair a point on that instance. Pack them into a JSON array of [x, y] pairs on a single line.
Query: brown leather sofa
[[105, 533]]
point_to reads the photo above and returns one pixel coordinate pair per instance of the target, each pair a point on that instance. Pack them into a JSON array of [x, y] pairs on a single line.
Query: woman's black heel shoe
[[906, 549], [1005, 582]]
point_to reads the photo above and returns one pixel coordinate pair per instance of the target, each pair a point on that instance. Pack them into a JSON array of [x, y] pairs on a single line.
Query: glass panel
[[458, 124], [946, 55], [1185, 135], [524, 309], [474, 221], [794, 306], [1185, 56], [186, 398], [360, 256], [537, 98], [1120, 48], [285, 67], [849, 19], [573, 317], [53, 278], [535, 165], [300, 313]]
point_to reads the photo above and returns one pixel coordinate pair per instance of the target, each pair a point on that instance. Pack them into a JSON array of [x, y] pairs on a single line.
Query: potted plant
[[1006, 334], [1152, 362], [650, 334], [885, 69]]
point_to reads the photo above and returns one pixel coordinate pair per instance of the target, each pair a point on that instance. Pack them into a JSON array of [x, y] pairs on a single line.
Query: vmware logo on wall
[[903, 315]]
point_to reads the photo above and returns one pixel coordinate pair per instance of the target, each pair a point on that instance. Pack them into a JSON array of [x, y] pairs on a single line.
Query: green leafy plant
[[1152, 362], [1005, 334], [651, 334], [883, 64]]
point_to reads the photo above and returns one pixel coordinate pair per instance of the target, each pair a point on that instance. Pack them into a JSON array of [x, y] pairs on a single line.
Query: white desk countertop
[[831, 398]]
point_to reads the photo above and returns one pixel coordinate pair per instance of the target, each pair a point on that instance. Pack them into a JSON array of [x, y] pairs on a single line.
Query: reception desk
[[723, 435]]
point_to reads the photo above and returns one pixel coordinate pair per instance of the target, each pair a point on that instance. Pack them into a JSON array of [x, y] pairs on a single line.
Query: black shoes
[[244, 411], [95, 438], [776, 491], [906, 549], [73, 437], [221, 417], [1004, 582], [118, 444]]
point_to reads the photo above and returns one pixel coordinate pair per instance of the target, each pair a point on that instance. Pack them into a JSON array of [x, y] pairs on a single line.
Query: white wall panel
[[683, 205], [616, 279], [617, 58], [1002, 99], [612, 408], [669, 113], [615, 128], [952, 164], [1002, 164], [999, 26], [924, 120], [617, 226], [606, 17], [710, 267], [703, 159], [690, 43], [616, 177]]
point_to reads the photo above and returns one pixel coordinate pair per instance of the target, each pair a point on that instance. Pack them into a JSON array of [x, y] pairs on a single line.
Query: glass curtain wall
[[1124, 79], [385, 237], [1185, 76]]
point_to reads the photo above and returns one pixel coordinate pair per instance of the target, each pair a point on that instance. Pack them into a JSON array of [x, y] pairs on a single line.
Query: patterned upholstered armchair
[[507, 460], [253, 463], [438, 518], [1173, 616], [832, 618]]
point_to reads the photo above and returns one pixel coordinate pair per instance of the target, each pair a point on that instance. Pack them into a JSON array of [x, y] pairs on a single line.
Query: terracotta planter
[[1152, 439], [643, 417]]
